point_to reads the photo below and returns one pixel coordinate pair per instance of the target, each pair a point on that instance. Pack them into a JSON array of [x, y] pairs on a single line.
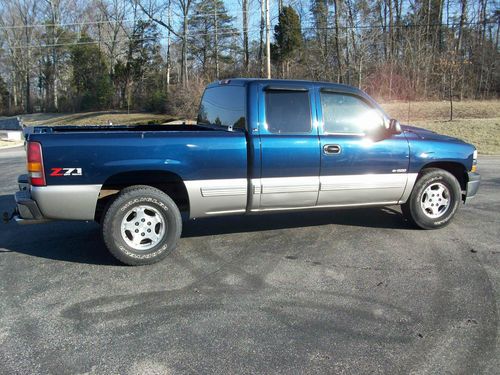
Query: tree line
[[157, 55]]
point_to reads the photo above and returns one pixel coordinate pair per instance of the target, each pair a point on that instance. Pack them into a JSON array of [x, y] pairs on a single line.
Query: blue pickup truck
[[258, 146]]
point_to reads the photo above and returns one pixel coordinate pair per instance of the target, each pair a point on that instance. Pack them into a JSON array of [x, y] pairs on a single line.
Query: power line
[[32, 26], [126, 40], [250, 12], [102, 22], [402, 26], [253, 29]]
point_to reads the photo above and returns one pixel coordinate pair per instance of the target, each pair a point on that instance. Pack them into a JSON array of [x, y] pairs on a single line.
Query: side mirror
[[395, 126]]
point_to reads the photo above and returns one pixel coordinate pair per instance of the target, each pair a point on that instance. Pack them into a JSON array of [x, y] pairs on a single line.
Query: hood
[[428, 134]]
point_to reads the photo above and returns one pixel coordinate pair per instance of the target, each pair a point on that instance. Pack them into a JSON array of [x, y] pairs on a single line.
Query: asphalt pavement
[[332, 292]]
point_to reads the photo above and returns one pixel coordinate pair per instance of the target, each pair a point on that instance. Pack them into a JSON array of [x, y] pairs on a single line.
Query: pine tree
[[139, 77], [212, 37], [288, 36], [91, 80], [145, 64]]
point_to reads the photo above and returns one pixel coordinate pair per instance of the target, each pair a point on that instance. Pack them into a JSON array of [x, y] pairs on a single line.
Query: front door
[[289, 145], [361, 163]]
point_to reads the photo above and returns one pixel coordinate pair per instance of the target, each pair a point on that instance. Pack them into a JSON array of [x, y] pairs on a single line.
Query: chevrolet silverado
[[258, 146]]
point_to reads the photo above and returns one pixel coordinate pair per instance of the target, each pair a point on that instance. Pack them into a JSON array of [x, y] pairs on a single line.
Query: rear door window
[[288, 112], [224, 106]]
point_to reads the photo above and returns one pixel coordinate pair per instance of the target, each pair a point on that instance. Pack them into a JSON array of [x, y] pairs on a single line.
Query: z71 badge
[[60, 172]]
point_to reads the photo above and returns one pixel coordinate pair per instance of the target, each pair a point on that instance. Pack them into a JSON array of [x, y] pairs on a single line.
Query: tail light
[[35, 164]]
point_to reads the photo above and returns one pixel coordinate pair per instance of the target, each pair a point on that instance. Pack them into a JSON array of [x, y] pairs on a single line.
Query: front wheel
[[141, 226], [434, 200]]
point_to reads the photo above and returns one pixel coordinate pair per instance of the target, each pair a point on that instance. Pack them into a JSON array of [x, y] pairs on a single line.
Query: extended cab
[[258, 146]]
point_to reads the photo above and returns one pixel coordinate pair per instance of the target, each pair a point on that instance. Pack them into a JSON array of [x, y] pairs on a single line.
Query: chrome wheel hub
[[143, 227], [435, 200]]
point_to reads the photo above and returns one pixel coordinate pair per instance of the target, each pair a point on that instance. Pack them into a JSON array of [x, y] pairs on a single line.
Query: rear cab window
[[223, 106]]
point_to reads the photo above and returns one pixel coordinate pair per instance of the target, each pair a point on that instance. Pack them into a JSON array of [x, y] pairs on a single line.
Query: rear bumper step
[[27, 211]]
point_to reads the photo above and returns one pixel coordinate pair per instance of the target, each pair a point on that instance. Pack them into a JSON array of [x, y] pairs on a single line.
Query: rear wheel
[[434, 200], [141, 226]]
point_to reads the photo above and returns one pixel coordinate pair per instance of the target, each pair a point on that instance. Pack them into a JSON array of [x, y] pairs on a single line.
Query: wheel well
[[168, 182], [456, 169]]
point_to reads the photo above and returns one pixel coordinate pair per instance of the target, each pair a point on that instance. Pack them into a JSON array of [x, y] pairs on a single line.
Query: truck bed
[[190, 151]]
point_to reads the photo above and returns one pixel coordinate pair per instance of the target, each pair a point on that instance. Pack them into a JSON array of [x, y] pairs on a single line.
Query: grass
[[95, 118], [482, 133], [476, 122]]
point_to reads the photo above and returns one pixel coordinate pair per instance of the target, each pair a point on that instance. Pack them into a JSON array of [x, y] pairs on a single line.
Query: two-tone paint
[[251, 171]]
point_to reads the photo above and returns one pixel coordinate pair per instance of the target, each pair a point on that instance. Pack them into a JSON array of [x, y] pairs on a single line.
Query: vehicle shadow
[[81, 242], [75, 242], [372, 217]]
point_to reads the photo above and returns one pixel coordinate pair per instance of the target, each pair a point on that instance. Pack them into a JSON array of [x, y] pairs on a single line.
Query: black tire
[[405, 210], [151, 211], [439, 215]]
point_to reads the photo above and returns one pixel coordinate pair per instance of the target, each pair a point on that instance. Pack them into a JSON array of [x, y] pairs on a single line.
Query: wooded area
[[157, 55]]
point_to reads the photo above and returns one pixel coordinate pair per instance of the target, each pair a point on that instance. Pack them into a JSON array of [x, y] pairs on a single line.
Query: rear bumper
[[473, 185], [27, 211], [38, 204]]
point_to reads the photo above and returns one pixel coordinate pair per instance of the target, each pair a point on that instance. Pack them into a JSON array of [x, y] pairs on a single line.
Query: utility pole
[[261, 39], [246, 55], [268, 41], [216, 42], [169, 17]]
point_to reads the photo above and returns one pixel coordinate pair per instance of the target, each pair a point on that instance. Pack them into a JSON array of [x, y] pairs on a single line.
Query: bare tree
[[53, 12], [114, 29], [392, 48], [21, 15], [151, 9]]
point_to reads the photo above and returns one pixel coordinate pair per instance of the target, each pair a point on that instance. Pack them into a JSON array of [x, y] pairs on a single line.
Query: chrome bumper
[[473, 184]]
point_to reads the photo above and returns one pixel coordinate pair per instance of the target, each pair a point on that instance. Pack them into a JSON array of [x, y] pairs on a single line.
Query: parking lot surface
[[347, 291]]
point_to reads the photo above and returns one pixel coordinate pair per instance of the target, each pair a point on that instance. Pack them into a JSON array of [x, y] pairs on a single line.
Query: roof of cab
[[282, 82]]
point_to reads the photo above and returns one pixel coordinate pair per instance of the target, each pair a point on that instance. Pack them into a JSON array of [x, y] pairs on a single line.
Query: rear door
[[360, 162], [290, 156]]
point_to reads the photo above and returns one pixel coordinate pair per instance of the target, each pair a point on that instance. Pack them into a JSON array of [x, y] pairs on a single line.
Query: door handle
[[332, 149]]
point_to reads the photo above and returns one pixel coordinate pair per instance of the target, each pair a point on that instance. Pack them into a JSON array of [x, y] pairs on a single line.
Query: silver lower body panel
[[229, 196], [217, 197], [365, 189], [67, 202]]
